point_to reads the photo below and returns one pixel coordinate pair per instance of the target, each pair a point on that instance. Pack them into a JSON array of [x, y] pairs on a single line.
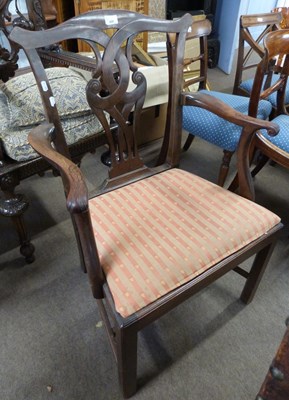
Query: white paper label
[[111, 19], [44, 86], [52, 101]]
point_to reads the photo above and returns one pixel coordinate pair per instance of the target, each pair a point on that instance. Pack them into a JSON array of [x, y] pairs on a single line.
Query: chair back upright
[[250, 49], [196, 63]]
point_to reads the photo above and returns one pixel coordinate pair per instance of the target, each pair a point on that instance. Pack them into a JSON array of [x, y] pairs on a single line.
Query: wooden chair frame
[[108, 91]]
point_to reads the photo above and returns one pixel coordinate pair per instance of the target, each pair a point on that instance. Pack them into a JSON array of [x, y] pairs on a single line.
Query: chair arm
[[249, 127], [76, 192], [221, 109]]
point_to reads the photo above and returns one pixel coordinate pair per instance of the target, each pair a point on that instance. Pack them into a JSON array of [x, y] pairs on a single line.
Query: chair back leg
[[257, 270]]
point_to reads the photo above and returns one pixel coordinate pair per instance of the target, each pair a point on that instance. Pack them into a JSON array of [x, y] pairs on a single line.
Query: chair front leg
[[126, 351]]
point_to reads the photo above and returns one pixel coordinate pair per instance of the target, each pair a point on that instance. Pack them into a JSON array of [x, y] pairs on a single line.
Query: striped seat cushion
[[159, 233]]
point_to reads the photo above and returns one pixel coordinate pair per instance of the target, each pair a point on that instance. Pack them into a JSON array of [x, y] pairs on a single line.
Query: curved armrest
[[75, 188], [249, 127], [220, 108]]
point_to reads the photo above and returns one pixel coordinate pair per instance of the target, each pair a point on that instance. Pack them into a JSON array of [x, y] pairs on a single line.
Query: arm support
[[40, 139]]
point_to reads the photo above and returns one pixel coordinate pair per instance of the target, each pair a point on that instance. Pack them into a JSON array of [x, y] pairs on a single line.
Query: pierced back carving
[[117, 87]]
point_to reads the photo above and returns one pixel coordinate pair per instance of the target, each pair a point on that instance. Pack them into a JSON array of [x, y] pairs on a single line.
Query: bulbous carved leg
[[224, 169], [13, 205]]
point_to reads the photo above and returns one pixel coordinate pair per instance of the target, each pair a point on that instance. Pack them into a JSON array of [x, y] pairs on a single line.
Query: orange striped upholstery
[[159, 233]]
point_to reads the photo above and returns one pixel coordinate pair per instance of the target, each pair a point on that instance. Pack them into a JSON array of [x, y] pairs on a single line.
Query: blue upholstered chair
[[201, 123]]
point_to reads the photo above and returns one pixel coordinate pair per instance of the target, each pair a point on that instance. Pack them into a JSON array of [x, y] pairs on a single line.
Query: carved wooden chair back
[[153, 236], [251, 49]]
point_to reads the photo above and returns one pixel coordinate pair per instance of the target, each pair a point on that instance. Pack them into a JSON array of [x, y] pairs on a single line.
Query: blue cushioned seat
[[216, 130], [248, 84], [282, 139]]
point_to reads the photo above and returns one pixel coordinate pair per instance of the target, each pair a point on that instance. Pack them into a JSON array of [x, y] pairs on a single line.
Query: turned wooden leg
[[126, 348], [14, 206], [257, 270], [188, 142], [224, 169]]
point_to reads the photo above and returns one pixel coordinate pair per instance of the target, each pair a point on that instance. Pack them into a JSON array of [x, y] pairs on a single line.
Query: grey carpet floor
[[53, 345]]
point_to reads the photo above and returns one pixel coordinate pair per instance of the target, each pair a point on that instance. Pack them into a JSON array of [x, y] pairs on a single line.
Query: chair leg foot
[[27, 250], [257, 270], [126, 339], [26, 247]]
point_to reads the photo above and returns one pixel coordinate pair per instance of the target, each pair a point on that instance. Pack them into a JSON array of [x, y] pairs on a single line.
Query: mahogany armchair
[[154, 235], [20, 108]]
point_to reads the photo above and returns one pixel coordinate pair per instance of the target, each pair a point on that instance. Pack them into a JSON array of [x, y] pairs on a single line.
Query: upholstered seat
[[280, 141], [194, 215], [216, 130], [21, 109], [272, 98]]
